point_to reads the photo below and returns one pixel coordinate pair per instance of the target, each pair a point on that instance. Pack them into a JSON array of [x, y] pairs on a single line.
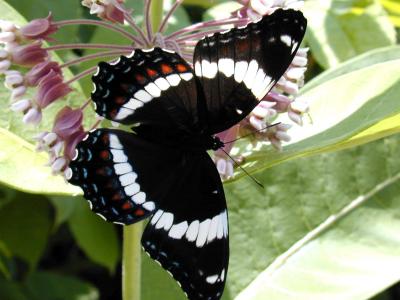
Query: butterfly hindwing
[[188, 234], [239, 67], [122, 176]]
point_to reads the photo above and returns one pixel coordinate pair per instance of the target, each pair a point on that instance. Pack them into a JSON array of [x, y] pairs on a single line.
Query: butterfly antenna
[[266, 127], [243, 169]]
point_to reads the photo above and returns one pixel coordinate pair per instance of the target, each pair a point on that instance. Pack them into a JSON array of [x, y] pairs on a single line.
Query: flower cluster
[[27, 62]]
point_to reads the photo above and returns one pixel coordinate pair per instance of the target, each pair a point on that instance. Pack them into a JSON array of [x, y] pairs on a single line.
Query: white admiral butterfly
[[162, 169]]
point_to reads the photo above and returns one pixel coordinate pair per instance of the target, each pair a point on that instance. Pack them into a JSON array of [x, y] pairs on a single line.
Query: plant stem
[[156, 13], [131, 262]]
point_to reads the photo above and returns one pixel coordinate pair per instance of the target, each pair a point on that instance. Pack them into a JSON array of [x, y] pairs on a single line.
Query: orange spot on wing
[[151, 72], [113, 113], [105, 155], [100, 172], [116, 197], [127, 205], [166, 69], [119, 100], [140, 78], [139, 212], [181, 68], [106, 139]]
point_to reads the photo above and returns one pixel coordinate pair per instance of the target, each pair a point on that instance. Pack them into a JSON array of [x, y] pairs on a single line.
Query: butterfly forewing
[[188, 234], [239, 67], [153, 87]]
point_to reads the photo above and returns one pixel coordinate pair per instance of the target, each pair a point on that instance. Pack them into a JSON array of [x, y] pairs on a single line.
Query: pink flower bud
[[67, 122], [295, 73], [282, 101], [295, 117], [7, 26], [59, 165], [18, 92], [21, 105], [41, 70], [114, 14], [51, 88], [39, 29], [283, 136], [7, 37], [224, 166], [33, 116], [73, 140], [13, 79], [29, 55], [50, 139], [4, 66], [109, 10]]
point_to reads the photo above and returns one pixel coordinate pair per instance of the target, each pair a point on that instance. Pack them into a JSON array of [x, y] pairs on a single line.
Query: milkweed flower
[[27, 63]]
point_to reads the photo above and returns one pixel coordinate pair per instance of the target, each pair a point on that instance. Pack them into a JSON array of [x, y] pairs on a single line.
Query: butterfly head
[[216, 143]]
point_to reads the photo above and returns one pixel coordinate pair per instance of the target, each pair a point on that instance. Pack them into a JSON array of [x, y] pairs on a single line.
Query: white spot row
[[126, 176], [150, 91], [199, 232]]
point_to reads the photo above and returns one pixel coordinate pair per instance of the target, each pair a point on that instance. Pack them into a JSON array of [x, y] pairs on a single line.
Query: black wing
[[154, 88], [188, 234], [239, 67], [123, 176]]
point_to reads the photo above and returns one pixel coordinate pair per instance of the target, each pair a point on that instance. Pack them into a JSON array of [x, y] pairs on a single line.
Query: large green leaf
[[393, 8], [98, 239], [33, 176], [339, 30], [325, 227], [355, 104], [25, 225], [64, 206], [11, 290], [51, 286]]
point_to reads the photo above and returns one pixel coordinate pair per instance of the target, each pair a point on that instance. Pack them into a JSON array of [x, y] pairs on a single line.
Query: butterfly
[[161, 168]]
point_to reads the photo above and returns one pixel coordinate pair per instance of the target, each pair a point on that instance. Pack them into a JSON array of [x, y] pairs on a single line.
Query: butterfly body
[[161, 169]]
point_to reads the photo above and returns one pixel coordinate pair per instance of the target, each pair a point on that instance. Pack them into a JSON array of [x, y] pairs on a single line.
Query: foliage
[[282, 237]]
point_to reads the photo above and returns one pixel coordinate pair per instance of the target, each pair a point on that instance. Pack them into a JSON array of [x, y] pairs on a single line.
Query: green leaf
[[51, 286], [158, 284], [10, 290], [203, 3], [325, 225], [223, 10], [33, 177], [25, 225], [98, 239], [64, 207], [393, 8], [339, 30], [354, 108]]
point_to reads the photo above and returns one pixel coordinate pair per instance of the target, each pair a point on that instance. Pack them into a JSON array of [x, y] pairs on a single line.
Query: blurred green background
[[53, 248]]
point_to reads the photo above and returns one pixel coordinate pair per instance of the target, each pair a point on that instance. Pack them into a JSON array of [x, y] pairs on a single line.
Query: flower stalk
[[156, 13], [131, 262]]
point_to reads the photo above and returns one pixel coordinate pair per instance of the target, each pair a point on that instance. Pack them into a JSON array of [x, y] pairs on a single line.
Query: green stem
[[156, 13], [131, 262]]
